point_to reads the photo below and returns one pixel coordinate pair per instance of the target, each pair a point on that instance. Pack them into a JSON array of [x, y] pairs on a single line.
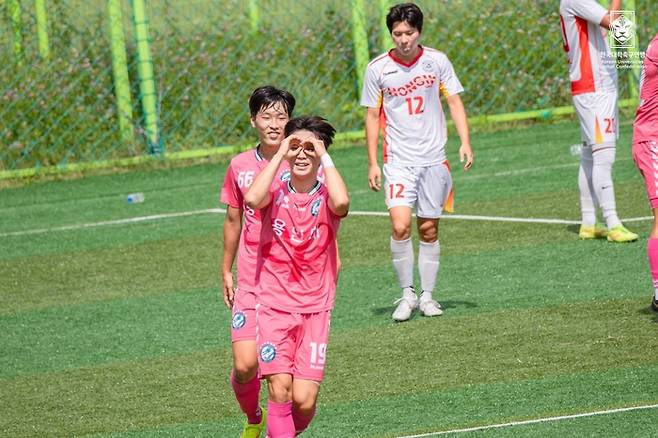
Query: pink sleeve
[[652, 50], [231, 194]]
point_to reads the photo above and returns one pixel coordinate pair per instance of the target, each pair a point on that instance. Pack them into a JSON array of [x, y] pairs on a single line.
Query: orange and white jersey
[[591, 64], [407, 95]]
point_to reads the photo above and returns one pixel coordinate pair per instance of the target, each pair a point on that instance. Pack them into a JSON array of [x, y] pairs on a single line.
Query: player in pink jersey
[[270, 110], [593, 77], [297, 271], [645, 150], [401, 91]]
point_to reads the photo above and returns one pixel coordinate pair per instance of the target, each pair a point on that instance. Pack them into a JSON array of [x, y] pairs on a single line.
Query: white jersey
[[407, 95], [591, 65]]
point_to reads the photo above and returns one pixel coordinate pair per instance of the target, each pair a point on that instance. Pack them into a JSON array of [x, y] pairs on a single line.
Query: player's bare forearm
[[258, 194], [458, 114], [339, 199], [372, 141], [615, 5], [372, 134], [232, 228]]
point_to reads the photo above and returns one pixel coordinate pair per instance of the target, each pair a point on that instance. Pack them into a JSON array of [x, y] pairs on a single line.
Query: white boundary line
[[535, 421], [130, 220], [155, 217]]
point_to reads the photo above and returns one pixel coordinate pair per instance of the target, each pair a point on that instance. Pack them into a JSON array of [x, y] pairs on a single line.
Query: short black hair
[[408, 12], [267, 96], [317, 125]]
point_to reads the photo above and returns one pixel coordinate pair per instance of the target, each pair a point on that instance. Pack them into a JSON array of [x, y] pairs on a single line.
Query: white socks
[[595, 185], [403, 261], [588, 201], [428, 265], [602, 182]]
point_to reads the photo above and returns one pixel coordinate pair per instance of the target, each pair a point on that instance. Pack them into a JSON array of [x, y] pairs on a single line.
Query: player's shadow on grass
[[648, 311], [449, 304], [573, 228]]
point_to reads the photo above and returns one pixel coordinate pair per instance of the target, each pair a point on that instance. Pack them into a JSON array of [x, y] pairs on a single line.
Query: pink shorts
[[645, 154], [243, 323], [292, 343]]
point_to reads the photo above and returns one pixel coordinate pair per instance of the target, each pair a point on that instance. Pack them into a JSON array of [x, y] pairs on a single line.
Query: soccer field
[[112, 323]]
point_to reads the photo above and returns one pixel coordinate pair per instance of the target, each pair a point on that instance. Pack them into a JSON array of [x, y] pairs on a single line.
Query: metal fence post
[[384, 35], [120, 71], [17, 28], [42, 28], [147, 88], [254, 16], [360, 41]]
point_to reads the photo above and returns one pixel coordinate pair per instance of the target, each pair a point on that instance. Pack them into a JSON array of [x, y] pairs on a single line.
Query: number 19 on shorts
[[318, 353]]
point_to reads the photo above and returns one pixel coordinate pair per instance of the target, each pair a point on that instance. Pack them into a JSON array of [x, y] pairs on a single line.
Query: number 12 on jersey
[[415, 105]]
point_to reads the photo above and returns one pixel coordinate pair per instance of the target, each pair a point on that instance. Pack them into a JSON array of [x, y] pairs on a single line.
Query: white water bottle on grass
[[576, 149], [135, 198]]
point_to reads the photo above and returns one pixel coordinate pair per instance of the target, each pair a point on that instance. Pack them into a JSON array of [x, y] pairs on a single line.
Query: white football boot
[[406, 305], [429, 307]]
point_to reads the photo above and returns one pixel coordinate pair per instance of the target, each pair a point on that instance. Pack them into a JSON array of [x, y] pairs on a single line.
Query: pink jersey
[[298, 254], [645, 127], [240, 174], [411, 116], [591, 65]]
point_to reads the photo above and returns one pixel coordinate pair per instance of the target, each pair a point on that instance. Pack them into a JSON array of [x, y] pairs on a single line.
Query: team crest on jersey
[[315, 208], [428, 65], [267, 352], [239, 320], [285, 176]]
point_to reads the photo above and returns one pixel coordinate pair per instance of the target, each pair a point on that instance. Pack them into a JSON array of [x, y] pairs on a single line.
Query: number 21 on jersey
[[415, 105]]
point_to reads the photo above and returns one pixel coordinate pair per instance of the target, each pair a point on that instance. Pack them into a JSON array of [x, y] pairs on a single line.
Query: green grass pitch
[[118, 330]]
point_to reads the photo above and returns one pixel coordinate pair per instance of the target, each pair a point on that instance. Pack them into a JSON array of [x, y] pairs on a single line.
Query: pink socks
[[652, 253], [279, 420], [247, 395], [302, 421]]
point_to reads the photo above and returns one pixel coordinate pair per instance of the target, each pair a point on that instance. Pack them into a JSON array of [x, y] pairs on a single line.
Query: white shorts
[[427, 188], [598, 114]]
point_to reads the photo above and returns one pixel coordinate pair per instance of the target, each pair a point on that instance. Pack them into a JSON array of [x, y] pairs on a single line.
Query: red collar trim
[[401, 62]]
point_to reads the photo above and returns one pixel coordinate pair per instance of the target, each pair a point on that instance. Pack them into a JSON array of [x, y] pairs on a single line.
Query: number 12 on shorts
[[395, 191], [318, 353]]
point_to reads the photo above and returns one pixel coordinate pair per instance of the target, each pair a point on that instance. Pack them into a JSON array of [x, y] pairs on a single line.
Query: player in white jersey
[[402, 91], [593, 77]]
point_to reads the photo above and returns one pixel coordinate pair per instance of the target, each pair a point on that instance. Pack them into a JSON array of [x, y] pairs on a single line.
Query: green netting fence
[[85, 83]]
